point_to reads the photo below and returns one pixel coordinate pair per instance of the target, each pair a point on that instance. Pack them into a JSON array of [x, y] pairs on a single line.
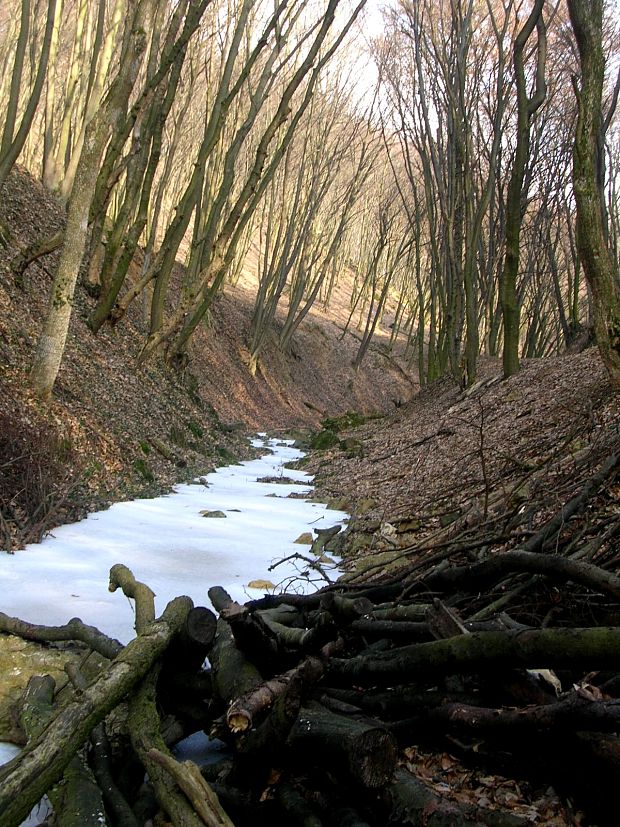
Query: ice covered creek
[[169, 544]]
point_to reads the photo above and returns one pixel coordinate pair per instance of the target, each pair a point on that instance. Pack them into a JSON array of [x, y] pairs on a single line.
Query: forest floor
[[454, 462], [445, 477]]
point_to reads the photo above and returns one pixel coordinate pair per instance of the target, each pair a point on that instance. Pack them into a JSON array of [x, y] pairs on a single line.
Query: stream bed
[[169, 544]]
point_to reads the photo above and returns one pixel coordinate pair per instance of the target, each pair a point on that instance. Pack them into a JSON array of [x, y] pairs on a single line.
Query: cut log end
[[374, 759]]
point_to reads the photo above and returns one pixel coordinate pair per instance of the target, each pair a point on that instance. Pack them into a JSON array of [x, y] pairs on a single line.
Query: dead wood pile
[[327, 702]]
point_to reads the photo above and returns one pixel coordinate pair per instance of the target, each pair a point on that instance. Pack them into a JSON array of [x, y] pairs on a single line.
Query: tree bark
[[547, 648], [14, 146], [600, 267], [364, 750], [480, 575], [517, 194]]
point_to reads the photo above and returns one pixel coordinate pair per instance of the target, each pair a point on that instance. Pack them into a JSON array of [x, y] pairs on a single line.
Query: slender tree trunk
[[52, 342], [16, 78], [12, 146], [517, 193], [50, 96], [600, 268]]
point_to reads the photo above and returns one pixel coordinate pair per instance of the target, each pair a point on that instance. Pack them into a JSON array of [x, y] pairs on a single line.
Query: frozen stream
[[168, 544]]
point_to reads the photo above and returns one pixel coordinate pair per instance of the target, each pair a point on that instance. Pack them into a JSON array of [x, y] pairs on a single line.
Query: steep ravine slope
[[483, 468], [114, 431]]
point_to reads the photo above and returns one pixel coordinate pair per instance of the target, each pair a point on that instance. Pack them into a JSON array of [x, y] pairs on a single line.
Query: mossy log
[[75, 629], [148, 744], [323, 536], [77, 800], [143, 718], [295, 807], [241, 713], [100, 760], [254, 636], [204, 800], [586, 649], [25, 779], [193, 643], [392, 629], [269, 643], [399, 702], [346, 608], [411, 612], [232, 673], [143, 596], [571, 713]]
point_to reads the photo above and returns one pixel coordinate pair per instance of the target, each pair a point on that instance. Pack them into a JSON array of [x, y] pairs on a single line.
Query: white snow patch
[[168, 545]]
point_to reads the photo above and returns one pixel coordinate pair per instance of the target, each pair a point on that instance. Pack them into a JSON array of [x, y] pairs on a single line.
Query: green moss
[[324, 439], [194, 429], [449, 518], [145, 448], [140, 467], [177, 436], [228, 457], [64, 449], [345, 422]]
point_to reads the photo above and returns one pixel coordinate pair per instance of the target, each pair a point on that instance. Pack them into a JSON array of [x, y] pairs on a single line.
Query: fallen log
[[411, 802], [477, 576], [241, 712], [393, 629], [100, 760], [571, 713], [143, 718], [76, 801], [399, 703], [302, 726], [586, 649], [143, 597], [25, 779], [264, 741], [296, 808], [232, 673], [75, 629], [204, 800]]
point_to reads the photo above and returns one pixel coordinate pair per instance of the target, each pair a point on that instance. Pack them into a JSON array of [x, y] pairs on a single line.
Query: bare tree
[[527, 105], [51, 344], [13, 139], [600, 266]]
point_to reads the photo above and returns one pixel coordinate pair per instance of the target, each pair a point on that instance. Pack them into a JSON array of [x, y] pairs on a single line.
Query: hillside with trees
[[391, 234]]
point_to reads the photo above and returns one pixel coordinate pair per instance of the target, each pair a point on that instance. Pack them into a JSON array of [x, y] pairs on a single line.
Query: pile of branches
[[320, 698]]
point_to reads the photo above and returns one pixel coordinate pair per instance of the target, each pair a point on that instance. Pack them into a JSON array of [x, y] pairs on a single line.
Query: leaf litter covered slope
[[498, 459], [122, 431], [456, 478]]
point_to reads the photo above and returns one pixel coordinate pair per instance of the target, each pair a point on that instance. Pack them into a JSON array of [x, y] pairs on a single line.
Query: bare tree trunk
[[52, 342], [12, 146], [599, 266], [16, 78], [526, 107]]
